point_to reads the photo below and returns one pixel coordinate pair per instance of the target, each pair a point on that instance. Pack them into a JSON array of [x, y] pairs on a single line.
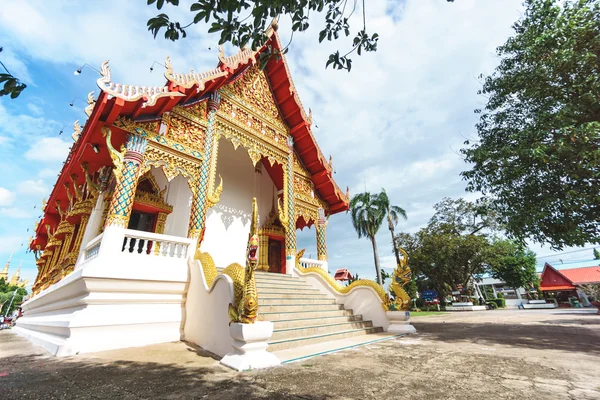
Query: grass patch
[[425, 313]]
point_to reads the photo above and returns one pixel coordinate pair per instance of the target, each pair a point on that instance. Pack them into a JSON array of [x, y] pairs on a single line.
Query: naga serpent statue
[[245, 306], [400, 279], [385, 298]]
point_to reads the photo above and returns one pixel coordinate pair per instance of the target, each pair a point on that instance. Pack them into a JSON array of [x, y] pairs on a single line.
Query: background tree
[[596, 254], [6, 293], [512, 263], [245, 22], [451, 248], [538, 152], [393, 214], [368, 212]]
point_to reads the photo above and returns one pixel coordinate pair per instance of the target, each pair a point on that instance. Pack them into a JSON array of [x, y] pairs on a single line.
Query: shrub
[[432, 307], [500, 295], [420, 302], [492, 305], [500, 302]]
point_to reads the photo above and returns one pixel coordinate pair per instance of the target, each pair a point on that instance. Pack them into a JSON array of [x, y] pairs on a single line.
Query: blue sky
[[396, 121]]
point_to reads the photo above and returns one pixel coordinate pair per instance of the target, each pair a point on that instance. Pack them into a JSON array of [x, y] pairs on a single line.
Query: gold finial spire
[[15, 279], [4, 273]]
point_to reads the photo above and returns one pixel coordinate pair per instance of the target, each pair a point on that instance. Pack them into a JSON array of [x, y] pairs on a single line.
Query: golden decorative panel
[[255, 125], [254, 146], [252, 90], [171, 162], [306, 211], [299, 167], [195, 113], [186, 132], [149, 131]]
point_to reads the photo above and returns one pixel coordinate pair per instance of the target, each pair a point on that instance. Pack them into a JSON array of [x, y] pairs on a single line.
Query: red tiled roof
[[342, 275], [582, 276]]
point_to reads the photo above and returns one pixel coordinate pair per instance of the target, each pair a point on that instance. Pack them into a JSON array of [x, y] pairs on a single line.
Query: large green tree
[[538, 152], [452, 248], [243, 22], [368, 212], [512, 263]]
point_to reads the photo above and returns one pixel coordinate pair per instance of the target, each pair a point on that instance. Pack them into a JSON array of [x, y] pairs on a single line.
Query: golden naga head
[[253, 238], [253, 250]]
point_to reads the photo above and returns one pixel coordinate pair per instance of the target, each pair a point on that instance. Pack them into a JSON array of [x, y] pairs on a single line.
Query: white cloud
[[46, 173], [35, 109], [6, 197], [9, 244], [33, 187], [14, 212], [48, 149]]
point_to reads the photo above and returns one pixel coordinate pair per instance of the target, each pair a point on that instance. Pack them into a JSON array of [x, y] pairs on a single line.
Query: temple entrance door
[[142, 221], [275, 256]]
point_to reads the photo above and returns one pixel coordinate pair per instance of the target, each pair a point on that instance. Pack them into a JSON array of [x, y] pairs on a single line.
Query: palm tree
[[368, 212], [393, 215]]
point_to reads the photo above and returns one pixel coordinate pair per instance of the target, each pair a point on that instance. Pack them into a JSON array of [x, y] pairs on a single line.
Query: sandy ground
[[504, 354]]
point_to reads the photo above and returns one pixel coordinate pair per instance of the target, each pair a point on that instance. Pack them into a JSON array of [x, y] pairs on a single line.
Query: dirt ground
[[504, 354]]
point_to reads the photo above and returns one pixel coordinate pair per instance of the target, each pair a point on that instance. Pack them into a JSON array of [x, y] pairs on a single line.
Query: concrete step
[[274, 276], [302, 322], [276, 281], [311, 314], [294, 301], [312, 330], [298, 307], [281, 284], [284, 295], [277, 345], [331, 346]]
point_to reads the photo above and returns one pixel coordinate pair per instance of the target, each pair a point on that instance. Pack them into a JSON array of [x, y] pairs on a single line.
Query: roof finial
[[4, 273]]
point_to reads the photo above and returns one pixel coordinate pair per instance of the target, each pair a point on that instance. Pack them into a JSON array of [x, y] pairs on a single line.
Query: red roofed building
[[564, 283], [342, 275]]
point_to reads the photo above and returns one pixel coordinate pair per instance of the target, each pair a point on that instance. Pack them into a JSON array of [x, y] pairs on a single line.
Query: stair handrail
[[343, 290]]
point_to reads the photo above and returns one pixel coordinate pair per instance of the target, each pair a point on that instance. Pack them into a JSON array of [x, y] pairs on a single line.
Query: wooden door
[[275, 248]]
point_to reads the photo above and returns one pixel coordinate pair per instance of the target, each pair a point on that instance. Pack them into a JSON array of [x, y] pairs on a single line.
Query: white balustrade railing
[[310, 263], [93, 247], [155, 245]]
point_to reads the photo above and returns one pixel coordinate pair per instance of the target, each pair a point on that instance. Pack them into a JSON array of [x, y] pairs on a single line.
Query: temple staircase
[[307, 323]]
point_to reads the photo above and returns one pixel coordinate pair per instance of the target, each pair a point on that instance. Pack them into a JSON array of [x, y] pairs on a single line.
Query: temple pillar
[[290, 218], [121, 204], [263, 252], [321, 228], [201, 193]]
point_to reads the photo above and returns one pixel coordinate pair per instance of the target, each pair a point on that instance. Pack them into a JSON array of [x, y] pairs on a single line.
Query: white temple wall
[[179, 196], [93, 226], [228, 222]]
